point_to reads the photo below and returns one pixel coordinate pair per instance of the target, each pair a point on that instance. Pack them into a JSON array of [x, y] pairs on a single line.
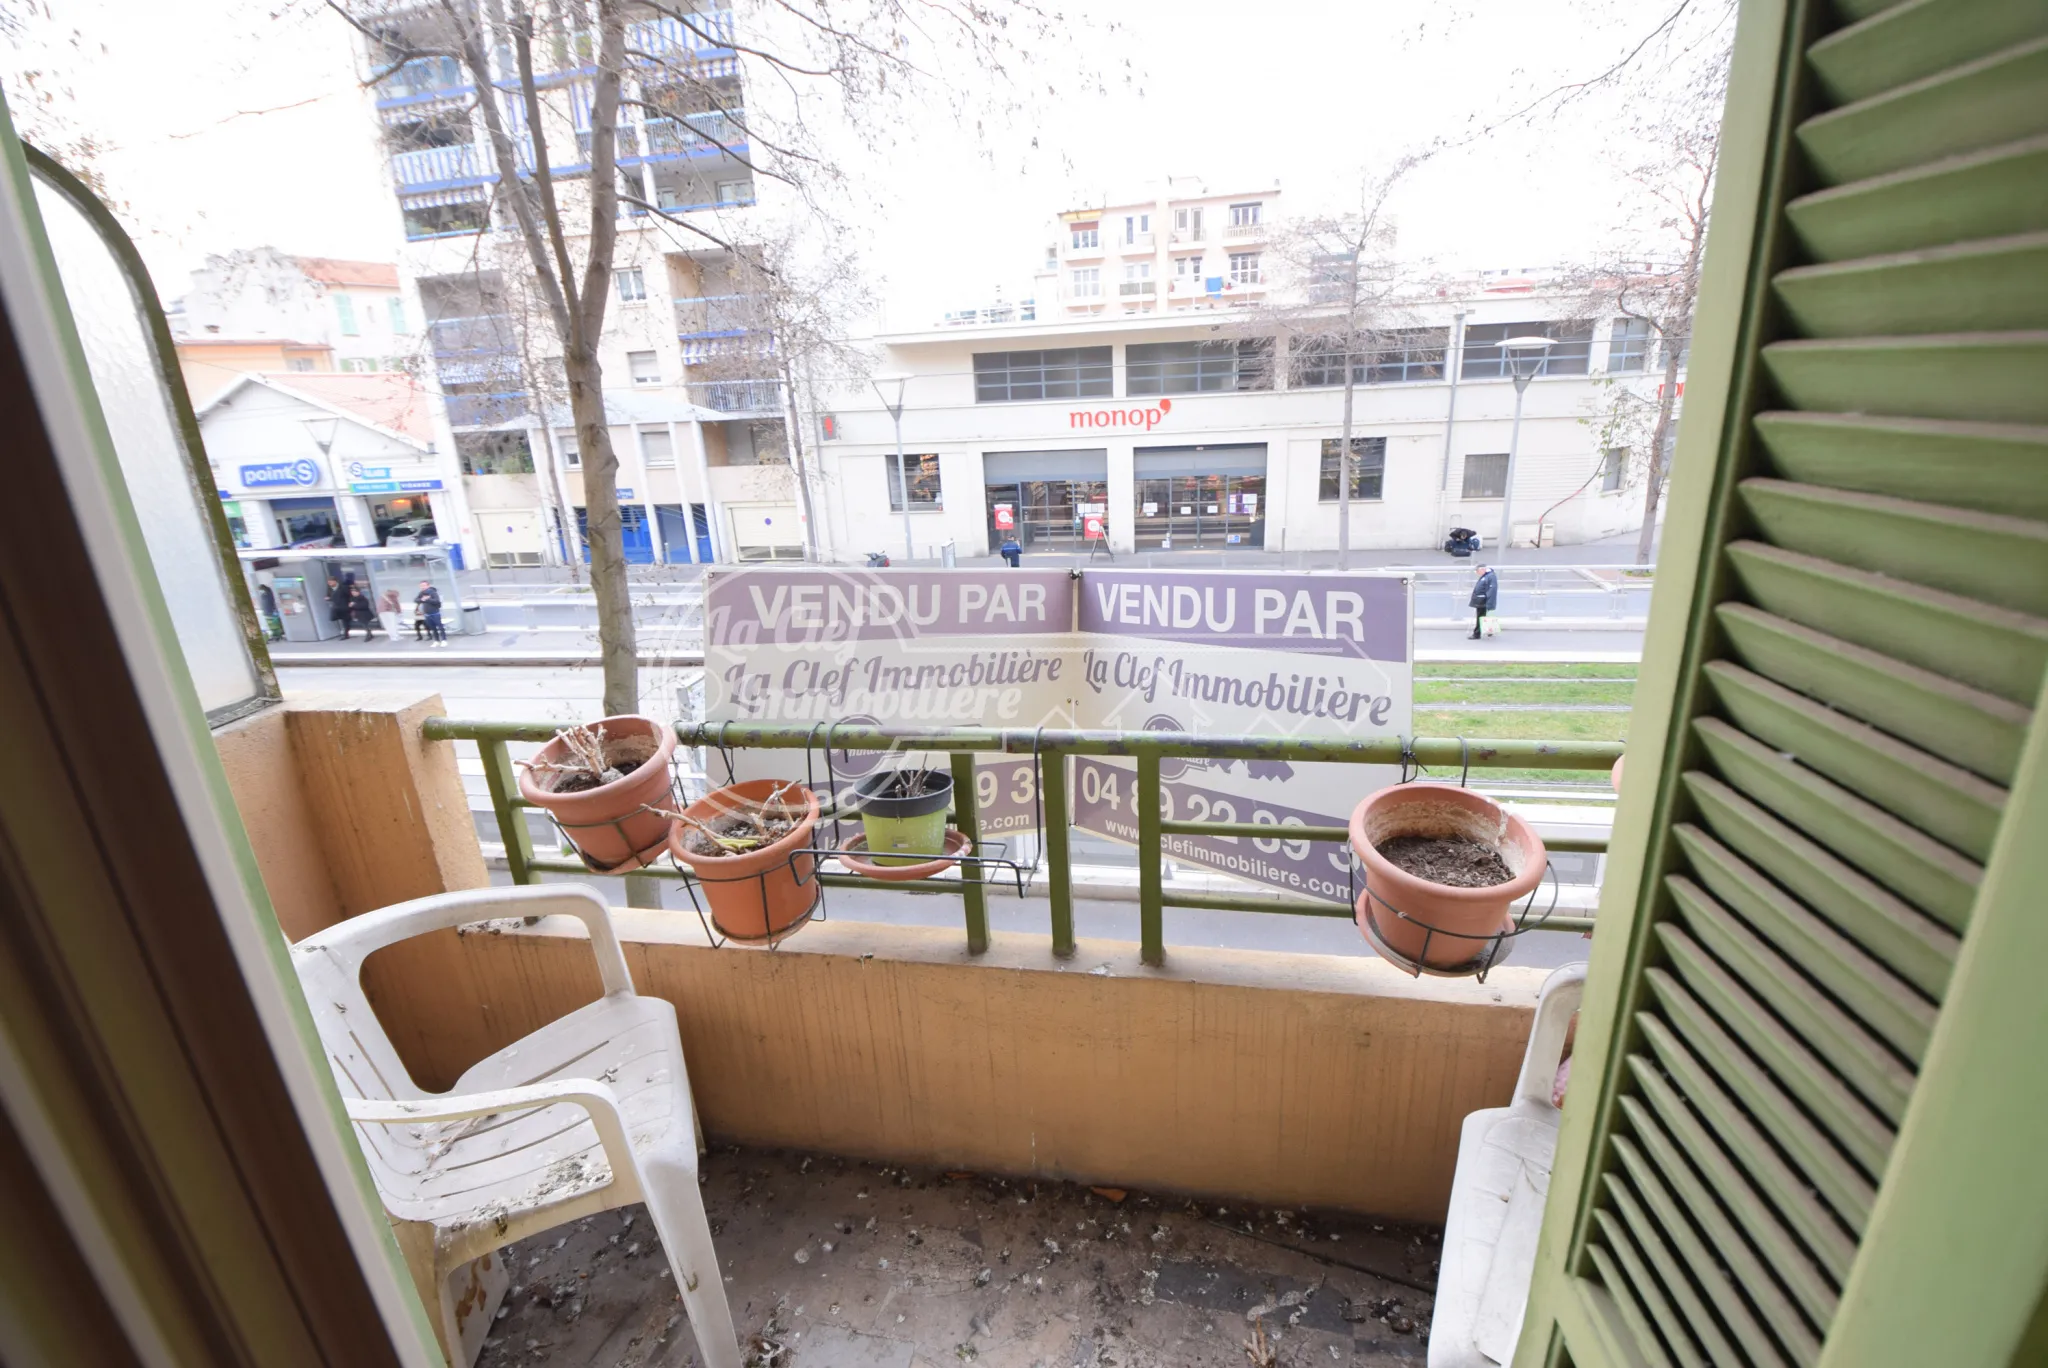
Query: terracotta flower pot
[[616, 825], [757, 895], [1463, 918]]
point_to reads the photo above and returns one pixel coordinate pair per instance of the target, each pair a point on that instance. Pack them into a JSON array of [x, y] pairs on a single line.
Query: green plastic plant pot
[[904, 830]]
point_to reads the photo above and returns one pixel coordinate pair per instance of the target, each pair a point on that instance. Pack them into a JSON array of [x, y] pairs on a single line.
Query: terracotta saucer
[[853, 854]]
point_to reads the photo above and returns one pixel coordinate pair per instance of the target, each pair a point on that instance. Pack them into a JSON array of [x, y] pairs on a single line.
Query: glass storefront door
[[1047, 513], [1201, 512]]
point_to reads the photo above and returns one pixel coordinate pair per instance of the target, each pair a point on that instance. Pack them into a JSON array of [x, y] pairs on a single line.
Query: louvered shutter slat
[[1978, 732], [1919, 949], [1996, 192], [1987, 467]]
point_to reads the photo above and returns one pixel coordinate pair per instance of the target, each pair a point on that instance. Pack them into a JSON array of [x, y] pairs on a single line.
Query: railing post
[[1059, 870], [511, 819], [1151, 913], [967, 816]]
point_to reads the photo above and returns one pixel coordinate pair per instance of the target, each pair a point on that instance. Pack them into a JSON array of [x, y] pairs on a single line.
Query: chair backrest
[[365, 1063], [1555, 1005]]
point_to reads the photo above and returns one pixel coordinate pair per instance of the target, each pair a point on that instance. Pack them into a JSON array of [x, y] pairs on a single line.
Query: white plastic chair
[[1497, 1194], [591, 1112]]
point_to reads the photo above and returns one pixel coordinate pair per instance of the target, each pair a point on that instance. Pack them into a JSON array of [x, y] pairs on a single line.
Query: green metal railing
[[1051, 748]]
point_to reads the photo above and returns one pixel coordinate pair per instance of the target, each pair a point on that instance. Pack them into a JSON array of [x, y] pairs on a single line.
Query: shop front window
[[1046, 515], [1200, 512]]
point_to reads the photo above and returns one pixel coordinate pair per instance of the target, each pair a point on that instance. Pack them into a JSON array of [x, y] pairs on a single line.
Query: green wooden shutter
[[1813, 1134]]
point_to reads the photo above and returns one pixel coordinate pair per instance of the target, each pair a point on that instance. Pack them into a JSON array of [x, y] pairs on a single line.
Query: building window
[[924, 482], [1485, 358], [345, 309], [1085, 237], [1244, 269], [1062, 373], [735, 192], [300, 364], [645, 367], [1197, 367], [396, 305], [494, 453], [1138, 278], [1388, 358], [1613, 465], [1368, 468], [1137, 230], [657, 446], [1628, 347], [1188, 268], [565, 442], [1486, 476], [631, 285], [1187, 224], [1088, 283], [1246, 215]]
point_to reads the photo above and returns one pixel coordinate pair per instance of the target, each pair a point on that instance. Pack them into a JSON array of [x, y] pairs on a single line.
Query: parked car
[[412, 532]]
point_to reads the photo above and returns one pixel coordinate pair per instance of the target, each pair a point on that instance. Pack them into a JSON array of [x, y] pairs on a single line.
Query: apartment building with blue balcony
[[696, 413]]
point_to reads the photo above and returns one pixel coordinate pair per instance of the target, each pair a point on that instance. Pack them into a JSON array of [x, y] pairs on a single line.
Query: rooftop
[[391, 400], [380, 275]]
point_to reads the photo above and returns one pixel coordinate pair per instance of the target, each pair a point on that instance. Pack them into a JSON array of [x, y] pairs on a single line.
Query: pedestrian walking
[[337, 603], [360, 613], [1012, 552], [266, 604], [390, 612], [428, 600], [1485, 598]]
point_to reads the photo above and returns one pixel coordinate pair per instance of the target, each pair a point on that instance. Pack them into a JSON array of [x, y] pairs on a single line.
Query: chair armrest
[[596, 1098], [357, 938], [1561, 995]]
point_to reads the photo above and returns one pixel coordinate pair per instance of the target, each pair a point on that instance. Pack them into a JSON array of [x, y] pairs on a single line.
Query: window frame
[[1613, 469], [394, 307], [632, 368], [1370, 454], [1089, 277], [1241, 274], [1629, 340], [1203, 367], [569, 447], [1056, 374], [1465, 490], [634, 276], [1250, 214], [345, 313], [1084, 237], [923, 469], [647, 459], [1484, 358]]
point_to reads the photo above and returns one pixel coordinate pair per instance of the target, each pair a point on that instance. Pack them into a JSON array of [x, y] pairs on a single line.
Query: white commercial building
[[328, 459], [1187, 432]]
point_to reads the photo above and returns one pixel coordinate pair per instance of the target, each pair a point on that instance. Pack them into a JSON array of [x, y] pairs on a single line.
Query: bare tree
[[1651, 278], [820, 66], [1336, 303], [790, 313]]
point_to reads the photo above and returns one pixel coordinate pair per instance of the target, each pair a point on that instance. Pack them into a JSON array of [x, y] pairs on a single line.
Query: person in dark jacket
[[428, 600], [361, 613], [337, 603], [1485, 598], [1011, 550]]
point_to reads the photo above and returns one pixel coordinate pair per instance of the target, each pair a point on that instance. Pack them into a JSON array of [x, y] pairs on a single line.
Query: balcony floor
[[835, 1263]]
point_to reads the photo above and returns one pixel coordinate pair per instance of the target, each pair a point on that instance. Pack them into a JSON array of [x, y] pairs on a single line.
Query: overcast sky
[[238, 123]]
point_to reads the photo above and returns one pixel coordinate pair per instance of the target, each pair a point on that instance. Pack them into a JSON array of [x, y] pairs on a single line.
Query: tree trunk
[[1660, 440], [1344, 472], [618, 650], [792, 421], [551, 499]]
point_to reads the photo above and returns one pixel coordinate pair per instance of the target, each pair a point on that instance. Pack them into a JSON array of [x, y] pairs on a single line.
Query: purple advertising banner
[[1106, 803], [1337, 615], [747, 608]]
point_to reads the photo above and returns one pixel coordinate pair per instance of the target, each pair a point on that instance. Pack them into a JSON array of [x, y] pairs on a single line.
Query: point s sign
[[1146, 418]]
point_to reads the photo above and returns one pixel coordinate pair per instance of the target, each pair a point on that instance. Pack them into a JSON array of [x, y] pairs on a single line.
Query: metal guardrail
[[1051, 748]]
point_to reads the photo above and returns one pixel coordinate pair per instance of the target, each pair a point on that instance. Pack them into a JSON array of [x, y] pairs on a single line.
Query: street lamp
[[890, 388], [1525, 357]]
